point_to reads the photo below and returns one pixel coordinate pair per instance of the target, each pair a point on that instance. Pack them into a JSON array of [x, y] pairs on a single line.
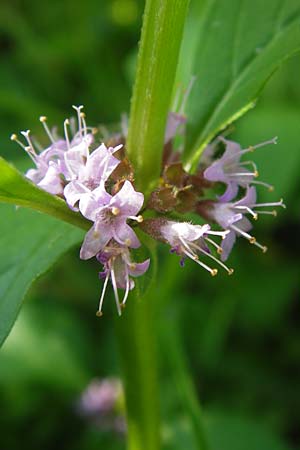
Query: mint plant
[[173, 177]]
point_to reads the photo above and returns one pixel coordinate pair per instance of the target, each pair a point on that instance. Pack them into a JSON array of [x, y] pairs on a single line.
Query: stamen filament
[[99, 313], [127, 286], [66, 124], [78, 110], [26, 135], [43, 120], [261, 183], [244, 174], [229, 270], [115, 288], [280, 203], [249, 210], [219, 249]]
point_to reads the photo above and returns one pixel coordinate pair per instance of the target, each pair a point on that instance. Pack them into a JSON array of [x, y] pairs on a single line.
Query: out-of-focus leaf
[[240, 45], [228, 432], [16, 189], [29, 244], [57, 330]]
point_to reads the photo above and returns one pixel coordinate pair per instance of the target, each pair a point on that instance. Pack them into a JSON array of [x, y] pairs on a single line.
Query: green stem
[[136, 337], [156, 68], [185, 386]]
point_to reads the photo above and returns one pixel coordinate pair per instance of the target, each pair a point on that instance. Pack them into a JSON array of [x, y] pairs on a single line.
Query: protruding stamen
[[250, 238], [189, 252], [244, 174], [82, 116], [222, 234], [271, 213], [66, 124], [261, 183], [280, 203], [14, 138], [127, 242], [138, 219], [251, 148], [249, 210], [78, 110], [219, 249], [115, 288], [43, 120], [228, 270], [262, 247], [99, 312], [246, 163], [115, 211], [127, 287], [26, 134]]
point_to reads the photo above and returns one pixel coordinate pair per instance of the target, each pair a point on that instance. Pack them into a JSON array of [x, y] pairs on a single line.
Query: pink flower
[[119, 268], [229, 169], [110, 214], [191, 240], [231, 217], [88, 171]]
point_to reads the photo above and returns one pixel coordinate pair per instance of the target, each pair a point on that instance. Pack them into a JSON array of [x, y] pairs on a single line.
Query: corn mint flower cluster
[[96, 180]]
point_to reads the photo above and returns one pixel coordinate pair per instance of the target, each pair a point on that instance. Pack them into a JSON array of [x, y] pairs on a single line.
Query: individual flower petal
[[73, 192], [95, 240], [124, 234], [128, 200], [138, 269]]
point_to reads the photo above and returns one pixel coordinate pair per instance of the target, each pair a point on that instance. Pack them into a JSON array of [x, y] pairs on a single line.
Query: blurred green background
[[240, 335]]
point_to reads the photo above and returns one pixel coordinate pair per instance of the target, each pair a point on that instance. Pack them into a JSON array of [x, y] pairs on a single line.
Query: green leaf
[[156, 68], [240, 45], [228, 432], [29, 244], [16, 189]]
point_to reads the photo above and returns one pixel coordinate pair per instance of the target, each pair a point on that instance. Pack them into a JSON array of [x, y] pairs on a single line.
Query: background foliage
[[240, 334]]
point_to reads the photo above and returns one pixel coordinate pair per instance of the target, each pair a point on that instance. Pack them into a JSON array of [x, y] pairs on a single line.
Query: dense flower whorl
[[96, 179]]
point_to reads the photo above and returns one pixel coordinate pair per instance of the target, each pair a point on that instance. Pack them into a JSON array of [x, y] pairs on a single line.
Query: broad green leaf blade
[[29, 244], [229, 432], [16, 189], [240, 45]]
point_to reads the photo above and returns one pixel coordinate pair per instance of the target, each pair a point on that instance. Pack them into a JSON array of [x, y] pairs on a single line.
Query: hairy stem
[[157, 61]]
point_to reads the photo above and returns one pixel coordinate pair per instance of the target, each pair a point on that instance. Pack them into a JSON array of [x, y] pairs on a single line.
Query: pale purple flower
[[190, 240], [119, 268], [102, 402], [100, 397], [110, 214], [51, 170], [88, 171], [46, 175], [229, 169], [231, 217]]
